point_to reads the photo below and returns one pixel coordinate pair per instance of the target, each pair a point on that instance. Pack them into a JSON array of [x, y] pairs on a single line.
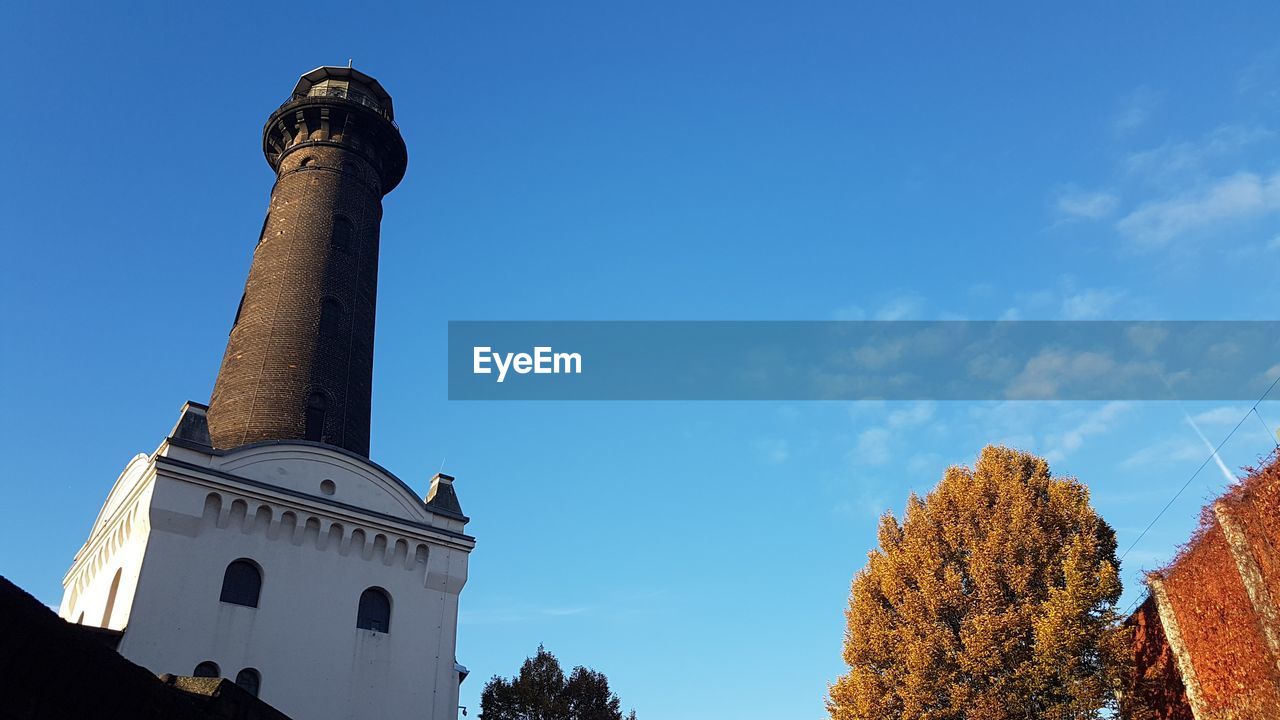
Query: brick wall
[[303, 335]]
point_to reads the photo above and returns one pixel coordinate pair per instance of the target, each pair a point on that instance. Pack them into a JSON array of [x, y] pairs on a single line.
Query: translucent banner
[[862, 360]]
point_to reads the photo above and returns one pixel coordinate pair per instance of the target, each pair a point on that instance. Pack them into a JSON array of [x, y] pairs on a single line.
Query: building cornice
[[225, 481]]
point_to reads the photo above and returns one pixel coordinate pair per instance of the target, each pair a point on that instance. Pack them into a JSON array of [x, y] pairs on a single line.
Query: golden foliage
[[993, 599]]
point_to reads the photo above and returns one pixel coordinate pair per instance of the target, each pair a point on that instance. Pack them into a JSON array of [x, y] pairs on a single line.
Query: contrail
[[1216, 458]]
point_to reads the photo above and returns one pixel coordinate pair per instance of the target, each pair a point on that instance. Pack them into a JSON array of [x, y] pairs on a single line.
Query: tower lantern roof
[[347, 83]]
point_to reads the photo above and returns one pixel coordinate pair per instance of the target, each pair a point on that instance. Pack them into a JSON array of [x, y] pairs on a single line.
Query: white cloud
[[1174, 160], [873, 446], [1066, 300], [562, 612], [926, 463], [904, 307], [1226, 415], [516, 615], [851, 312], [1045, 374], [1087, 205], [907, 306], [775, 450], [1092, 423], [914, 414], [1154, 225], [1172, 451], [1090, 304], [1055, 373], [1136, 109]]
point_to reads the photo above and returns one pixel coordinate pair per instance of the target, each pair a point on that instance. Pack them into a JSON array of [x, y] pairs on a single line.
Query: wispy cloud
[[1166, 196], [1084, 205], [1096, 422], [1136, 109], [1054, 373], [1261, 77], [1090, 303], [513, 615], [774, 450], [876, 445], [907, 306], [1165, 452], [1176, 161], [1225, 415], [562, 612], [1153, 225], [873, 446], [1067, 300], [903, 307]]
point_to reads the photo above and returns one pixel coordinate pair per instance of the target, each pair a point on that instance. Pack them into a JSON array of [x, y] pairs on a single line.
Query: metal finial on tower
[[348, 62]]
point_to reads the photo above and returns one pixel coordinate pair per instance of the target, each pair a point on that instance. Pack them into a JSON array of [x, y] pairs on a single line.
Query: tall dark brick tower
[[299, 362]]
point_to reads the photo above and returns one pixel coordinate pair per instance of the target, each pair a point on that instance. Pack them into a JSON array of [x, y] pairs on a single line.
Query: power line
[[1203, 465], [1252, 411], [1275, 438]]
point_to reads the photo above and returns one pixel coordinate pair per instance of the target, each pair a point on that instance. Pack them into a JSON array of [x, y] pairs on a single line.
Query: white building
[[318, 528], [276, 554]]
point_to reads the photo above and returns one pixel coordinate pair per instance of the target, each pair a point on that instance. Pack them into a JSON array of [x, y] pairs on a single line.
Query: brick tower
[[299, 361]]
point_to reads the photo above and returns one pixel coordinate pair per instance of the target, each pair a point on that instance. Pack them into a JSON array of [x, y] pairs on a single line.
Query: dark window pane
[[241, 584], [250, 680], [207, 669], [375, 611], [330, 314], [344, 234], [316, 406]]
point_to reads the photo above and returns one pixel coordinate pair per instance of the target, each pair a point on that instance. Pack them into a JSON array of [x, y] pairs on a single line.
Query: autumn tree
[[993, 599], [542, 692]]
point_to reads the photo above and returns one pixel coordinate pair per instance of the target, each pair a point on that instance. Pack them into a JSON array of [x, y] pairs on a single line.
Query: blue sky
[[690, 160]]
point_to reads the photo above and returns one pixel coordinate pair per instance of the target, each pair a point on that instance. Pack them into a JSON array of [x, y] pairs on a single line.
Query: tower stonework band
[[299, 361], [259, 544]]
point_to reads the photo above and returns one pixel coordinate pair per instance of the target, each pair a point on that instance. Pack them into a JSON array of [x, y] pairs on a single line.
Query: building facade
[[259, 542]]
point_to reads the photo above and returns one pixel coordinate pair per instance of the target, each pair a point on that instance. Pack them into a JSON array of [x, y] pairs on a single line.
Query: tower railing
[[344, 94]]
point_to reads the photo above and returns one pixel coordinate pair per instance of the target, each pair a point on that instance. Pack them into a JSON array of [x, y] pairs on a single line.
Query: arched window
[[375, 610], [316, 406], [249, 679], [207, 669], [241, 583], [344, 234], [330, 314], [111, 599]]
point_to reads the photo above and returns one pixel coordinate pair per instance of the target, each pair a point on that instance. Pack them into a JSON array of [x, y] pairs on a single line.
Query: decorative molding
[[229, 512]]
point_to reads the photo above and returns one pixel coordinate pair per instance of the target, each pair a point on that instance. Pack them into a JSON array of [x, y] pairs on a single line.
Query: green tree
[[993, 599], [540, 691]]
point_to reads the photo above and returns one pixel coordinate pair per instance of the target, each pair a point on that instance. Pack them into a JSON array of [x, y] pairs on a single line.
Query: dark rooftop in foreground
[[53, 670]]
